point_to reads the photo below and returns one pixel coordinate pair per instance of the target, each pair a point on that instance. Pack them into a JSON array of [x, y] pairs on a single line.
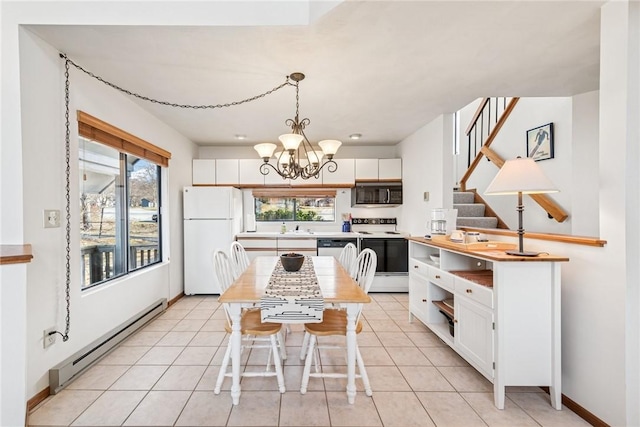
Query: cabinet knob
[[469, 291], [437, 276], [424, 300], [415, 266], [455, 320]]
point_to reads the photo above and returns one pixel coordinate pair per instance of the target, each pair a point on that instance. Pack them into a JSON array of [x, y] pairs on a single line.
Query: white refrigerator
[[212, 218]]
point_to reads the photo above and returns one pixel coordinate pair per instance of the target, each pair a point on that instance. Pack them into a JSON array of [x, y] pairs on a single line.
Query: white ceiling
[[382, 68]]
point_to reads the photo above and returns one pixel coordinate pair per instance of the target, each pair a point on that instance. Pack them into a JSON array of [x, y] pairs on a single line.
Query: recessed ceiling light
[[240, 136], [355, 136]]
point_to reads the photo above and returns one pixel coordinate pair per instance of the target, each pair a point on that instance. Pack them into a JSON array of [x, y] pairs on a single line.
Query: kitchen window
[[298, 205], [120, 221]]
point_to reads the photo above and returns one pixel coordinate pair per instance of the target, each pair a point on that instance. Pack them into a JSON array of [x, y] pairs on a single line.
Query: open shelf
[[480, 277], [444, 307]]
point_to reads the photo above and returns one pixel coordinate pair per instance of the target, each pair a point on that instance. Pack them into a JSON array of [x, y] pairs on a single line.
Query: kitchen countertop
[[315, 235]]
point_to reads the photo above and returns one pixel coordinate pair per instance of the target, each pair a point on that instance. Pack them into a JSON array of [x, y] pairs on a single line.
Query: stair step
[[463, 197], [479, 222], [469, 209]]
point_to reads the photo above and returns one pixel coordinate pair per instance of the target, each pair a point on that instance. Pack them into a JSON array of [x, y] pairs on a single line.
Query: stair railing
[[485, 125]]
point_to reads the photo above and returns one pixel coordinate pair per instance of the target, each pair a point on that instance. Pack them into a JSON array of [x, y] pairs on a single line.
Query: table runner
[[292, 296]]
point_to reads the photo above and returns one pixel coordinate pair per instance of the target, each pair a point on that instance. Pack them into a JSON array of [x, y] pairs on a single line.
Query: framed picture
[[540, 142]]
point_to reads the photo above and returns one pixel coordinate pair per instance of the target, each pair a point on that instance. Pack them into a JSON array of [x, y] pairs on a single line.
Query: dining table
[[337, 288]]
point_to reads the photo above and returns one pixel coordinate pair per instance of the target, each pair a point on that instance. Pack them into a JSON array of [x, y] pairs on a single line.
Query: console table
[[501, 313]]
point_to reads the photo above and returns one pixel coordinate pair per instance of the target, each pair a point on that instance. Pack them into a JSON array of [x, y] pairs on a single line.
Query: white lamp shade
[[290, 141], [265, 150], [520, 175], [330, 146], [315, 156], [282, 157]]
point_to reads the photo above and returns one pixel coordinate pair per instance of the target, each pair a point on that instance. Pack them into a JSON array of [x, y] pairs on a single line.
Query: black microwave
[[375, 194]]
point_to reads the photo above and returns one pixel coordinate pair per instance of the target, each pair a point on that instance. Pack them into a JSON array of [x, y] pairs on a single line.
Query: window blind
[[294, 192], [100, 131]]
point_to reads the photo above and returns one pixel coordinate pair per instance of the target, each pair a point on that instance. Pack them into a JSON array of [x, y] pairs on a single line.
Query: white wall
[[619, 202], [427, 157], [43, 147]]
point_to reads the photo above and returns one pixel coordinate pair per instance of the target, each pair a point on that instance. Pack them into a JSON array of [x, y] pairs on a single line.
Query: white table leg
[[352, 311], [235, 340]]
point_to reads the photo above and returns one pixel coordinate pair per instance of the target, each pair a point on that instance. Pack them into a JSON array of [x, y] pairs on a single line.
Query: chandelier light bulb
[[315, 156], [282, 157]]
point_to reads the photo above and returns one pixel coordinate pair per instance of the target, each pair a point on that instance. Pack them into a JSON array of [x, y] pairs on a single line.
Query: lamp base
[[521, 253]]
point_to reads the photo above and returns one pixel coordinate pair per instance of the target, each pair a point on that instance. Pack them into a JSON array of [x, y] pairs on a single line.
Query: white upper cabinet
[[249, 172], [203, 172], [227, 172], [389, 169], [378, 169], [367, 169], [345, 174]]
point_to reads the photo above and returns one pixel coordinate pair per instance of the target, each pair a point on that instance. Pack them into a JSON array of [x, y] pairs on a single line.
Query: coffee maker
[[442, 222]]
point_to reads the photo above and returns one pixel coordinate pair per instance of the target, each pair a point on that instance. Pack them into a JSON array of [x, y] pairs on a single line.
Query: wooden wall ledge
[[15, 254], [563, 238]]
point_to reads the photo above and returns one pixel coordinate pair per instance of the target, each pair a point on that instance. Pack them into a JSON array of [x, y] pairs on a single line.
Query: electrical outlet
[[425, 196], [51, 218], [49, 338]]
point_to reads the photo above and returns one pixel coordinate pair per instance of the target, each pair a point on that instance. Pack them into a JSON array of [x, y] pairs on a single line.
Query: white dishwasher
[[333, 246]]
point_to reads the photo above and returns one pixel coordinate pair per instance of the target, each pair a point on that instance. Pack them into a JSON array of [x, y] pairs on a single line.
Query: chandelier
[[298, 158]]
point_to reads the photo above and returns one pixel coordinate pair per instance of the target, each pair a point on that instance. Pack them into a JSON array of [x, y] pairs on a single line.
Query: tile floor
[[164, 375]]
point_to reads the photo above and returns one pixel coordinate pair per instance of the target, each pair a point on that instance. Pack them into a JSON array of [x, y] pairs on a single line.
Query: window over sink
[[298, 205]]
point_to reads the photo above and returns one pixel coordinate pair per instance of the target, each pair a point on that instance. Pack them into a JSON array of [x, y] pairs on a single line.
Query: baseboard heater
[[61, 374]]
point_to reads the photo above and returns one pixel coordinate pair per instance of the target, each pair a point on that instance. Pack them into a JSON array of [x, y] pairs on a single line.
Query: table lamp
[[520, 176]]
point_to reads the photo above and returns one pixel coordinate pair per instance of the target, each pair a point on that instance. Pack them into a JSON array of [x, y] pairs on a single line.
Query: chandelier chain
[[173, 104], [67, 138]]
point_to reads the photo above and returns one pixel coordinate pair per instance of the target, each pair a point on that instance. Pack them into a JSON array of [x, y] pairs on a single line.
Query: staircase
[[470, 213]]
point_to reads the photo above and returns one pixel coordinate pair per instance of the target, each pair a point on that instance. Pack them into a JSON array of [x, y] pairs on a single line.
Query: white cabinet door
[[367, 169], [227, 172], [345, 174], [203, 172], [474, 334], [418, 301], [249, 172], [390, 169]]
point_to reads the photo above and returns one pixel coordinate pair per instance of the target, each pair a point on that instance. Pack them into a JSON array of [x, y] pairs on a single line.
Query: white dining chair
[[239, 258], [223, 270], [348, 256], [359, 271], [334, 322], [252, 329]]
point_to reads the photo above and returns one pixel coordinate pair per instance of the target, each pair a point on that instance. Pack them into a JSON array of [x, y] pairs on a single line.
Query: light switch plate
[[426, 196], [51, 218]]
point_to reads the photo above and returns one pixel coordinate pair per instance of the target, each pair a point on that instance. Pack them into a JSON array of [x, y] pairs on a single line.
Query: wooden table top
[[335, 283]]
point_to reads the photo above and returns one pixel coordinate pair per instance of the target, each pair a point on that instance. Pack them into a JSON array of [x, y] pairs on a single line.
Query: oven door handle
[[388, 196]]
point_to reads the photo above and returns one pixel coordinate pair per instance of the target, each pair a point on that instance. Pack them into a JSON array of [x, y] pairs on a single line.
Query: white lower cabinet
[[504, 311], [474, 334], [256, 246]]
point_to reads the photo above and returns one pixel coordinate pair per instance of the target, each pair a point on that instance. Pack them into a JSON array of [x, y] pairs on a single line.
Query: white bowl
[[435, 258]]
